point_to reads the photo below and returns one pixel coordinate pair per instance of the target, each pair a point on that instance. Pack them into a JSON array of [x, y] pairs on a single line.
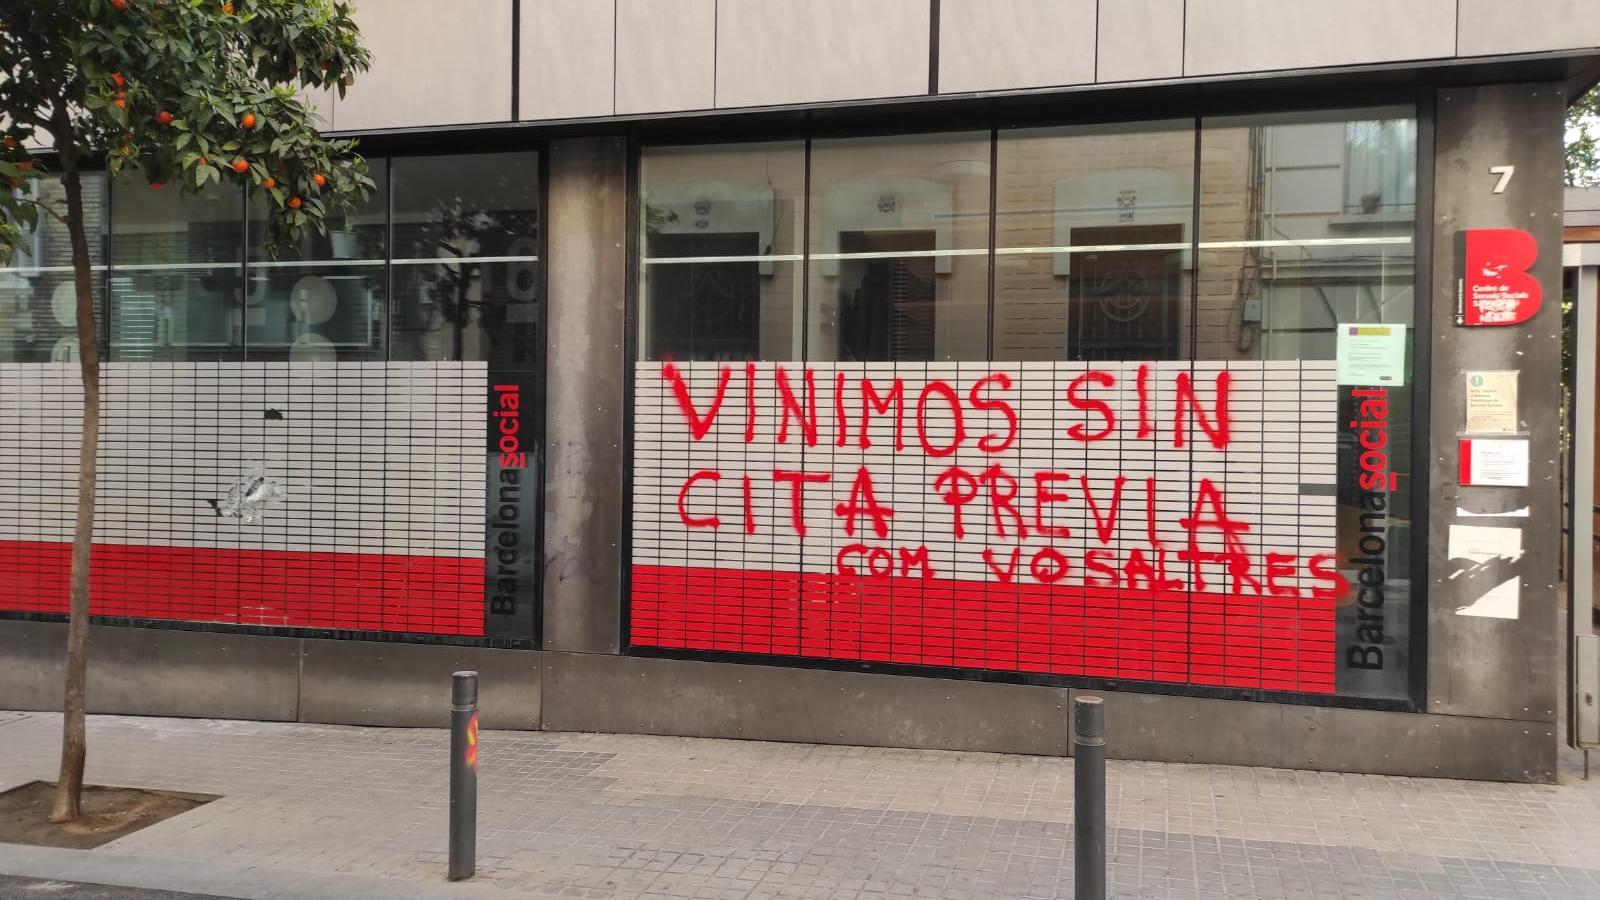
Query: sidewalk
[[328, 811]]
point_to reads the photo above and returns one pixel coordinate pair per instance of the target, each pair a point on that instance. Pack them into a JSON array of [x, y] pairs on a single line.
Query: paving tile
[[619, 817]]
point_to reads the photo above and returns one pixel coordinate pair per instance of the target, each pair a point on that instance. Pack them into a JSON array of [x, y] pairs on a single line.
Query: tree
[[1583, 140], [177, 93]]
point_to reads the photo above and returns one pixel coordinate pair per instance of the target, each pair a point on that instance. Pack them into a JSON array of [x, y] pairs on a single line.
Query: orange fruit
[[227, 9], [200, 161], [241, 166], [25, 166], [11, 143], [269, 182], [118, 80], [294, 202], [164, 117], [249, 120], [155, 185], [320, 179], [120, 103], [119, 5]]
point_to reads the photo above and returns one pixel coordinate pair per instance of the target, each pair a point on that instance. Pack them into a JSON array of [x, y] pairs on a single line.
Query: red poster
[[1493, 286]]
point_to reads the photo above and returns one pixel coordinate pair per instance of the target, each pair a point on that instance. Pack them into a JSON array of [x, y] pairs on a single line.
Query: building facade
[[843, 371]]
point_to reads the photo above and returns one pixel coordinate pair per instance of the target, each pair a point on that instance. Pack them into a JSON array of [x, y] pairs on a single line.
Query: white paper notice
[[1491, 403], [1494, 462], [1371, 355], [1478, 552]]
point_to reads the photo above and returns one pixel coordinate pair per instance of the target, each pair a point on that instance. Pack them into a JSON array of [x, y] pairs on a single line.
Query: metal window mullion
[[805, 257], [244, 276], [388, 305], [994, 183]]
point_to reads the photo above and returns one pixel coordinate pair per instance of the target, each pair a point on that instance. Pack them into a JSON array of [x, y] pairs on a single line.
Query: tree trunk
[[74, 740]]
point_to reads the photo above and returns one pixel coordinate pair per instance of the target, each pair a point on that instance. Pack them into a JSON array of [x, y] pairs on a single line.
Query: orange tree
[[179, 94]]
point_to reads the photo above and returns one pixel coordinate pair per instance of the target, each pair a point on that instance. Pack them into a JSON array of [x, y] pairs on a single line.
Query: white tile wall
[[374, 457], [1283, 436]]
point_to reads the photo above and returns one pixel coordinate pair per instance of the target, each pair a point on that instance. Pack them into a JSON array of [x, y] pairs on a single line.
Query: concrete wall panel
[[408, 685], [1486, 666], [568, 59], [994, 45], [726, 700], [154, 671], [587, 282], [432, 64], [666, 55], [1248, 733], [1139, 39], [804, 51], [1528, 26], [1256, 35]]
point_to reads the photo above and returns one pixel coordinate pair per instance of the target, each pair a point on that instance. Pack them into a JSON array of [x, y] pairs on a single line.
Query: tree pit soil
[[107, 814]]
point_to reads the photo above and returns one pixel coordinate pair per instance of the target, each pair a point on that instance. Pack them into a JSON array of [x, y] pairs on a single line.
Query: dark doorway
[[1125, 304], [886, 303], [705, 310]]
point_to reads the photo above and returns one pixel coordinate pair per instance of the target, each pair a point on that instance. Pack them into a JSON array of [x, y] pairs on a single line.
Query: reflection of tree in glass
[[458, 228]]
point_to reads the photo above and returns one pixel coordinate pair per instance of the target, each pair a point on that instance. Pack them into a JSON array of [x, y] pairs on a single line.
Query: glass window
[[38, 304], [721, 263], [1307, 226], [1092, 232], [1285, 255], [1380, 166], [467, 283], [176, 269], [899, 248], [322, 300]]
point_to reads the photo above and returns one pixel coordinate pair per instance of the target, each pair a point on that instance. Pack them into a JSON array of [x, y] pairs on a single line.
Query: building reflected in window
[[38, 300], [721, 251], [899, 264], [466, 262], [176, 271], [324, 299], [1092, 229]]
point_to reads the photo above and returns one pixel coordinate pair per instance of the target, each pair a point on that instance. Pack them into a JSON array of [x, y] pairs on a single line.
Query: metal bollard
[[1089, 798], [463, 775]]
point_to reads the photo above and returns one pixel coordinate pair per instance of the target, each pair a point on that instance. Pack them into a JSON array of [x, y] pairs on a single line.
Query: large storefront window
[[38, 312], [1092, 232], [344, 437], [1092, 425], [899, 265], [324, 299], [466, 263], [722, 233], [176, 272]]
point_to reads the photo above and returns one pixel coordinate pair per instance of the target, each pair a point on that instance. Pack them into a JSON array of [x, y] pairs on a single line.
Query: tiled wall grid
[[992, 598], [380, 525]]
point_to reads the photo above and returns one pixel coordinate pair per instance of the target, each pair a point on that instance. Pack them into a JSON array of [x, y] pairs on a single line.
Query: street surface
[[341, 812], [35, 889]]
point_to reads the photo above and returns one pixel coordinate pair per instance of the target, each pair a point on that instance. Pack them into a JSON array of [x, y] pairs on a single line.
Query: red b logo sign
[[1493, 286]]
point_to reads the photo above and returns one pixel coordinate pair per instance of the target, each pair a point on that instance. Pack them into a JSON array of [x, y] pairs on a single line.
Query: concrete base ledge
[[140, 671], [166, 672]]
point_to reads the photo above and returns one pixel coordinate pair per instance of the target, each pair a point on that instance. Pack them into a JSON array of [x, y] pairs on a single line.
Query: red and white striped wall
[[380, 526], [1124, 522]]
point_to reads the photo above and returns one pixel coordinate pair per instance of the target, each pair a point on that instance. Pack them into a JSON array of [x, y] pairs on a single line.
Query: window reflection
[[1092, 231], [721, 271], [466, 260], [323, 299], [899, 248], [175, 273], [38, 301], [1306, 222]]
